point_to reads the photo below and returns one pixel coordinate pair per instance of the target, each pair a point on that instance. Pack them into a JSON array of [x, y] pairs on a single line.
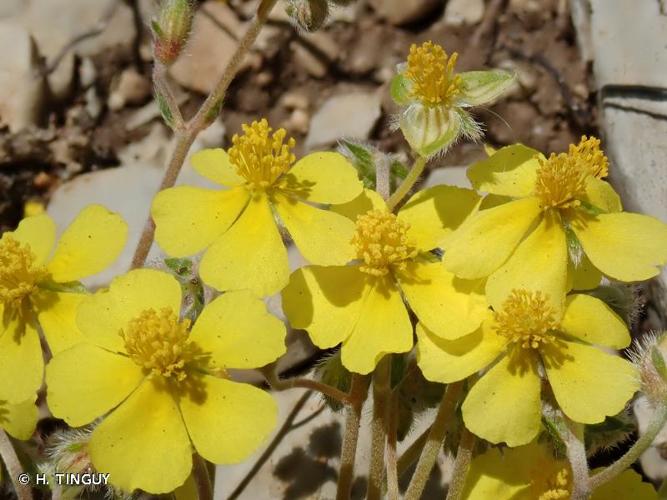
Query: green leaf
[[400, 90], [481, 87], [362, 157], [165, 111]]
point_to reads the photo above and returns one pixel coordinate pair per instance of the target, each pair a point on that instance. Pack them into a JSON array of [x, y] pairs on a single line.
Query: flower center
[[431, 72], [260, 156], [558, 486], [19, 274], [526, 319], [561, 180], [381, 241], [158, 342]]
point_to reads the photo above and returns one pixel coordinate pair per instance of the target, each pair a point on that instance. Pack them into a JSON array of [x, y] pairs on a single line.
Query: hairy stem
[[461, 465], [407, 184], [382, 176], [392, 463], [358, 392], [573, 436], [14, 467], [411, 455], [381, 389], [656, 424], [208, 112], [278, 384], [202, 478], [436, 437], [165, 96]]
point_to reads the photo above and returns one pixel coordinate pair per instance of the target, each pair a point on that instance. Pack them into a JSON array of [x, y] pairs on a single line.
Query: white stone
[[450, 175], [399, 12], [464, 12], [21, 86], [348, 115]]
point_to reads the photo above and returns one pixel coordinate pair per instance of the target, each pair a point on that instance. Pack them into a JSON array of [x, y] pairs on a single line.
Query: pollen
[[561, 181], [381, 241], [19, 274], [261, 155], [431, 72], [526, 319], [158, 342], [558, 486], [590, 157]]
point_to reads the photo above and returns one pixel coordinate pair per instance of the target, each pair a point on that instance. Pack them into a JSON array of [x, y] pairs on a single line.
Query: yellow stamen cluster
[[261, 156], [19, 275], [158, 342], [561, 181], [558, 487], [590, 156], [381, 241], [431, 72], [526, 319]]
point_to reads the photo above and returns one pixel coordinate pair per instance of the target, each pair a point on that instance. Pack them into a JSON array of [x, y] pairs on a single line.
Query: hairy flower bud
[[171, 29], [648, 355], [308, 15]]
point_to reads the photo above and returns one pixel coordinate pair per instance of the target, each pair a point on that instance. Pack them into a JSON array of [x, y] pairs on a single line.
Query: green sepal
[[590, 209], [331, 371], [619, 297], [659, 362], [481, 87], [399, 89], [558, 445], [68, 287], [361, 157], [181, 267], [430, 129], [165, 111], [608, 434]]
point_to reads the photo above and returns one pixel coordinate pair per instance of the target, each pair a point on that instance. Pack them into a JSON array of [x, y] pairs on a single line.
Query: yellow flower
[[164, 386], [528, 340], [435, 97], [532, 472], [244, 249], [19, 419], [361, 305], [537, 208], [35, 289]]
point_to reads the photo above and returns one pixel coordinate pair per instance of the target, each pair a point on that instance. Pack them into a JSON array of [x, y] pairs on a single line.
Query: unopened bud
[[331, 371], [648, 355], [171, 30], [308, 15]]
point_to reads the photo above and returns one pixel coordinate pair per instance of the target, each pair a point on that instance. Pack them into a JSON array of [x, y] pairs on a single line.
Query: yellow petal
[[486, 240], [325, 301], [214, 164], [238, 332], [56, 313], [322, 237], [231, 422], [579, 376], [593, 321], [86, 381], [19, 420], [625, 246], [538, 264], [510, 171], [505, 405], [250, 255], [600, 194], [21, 360], [583, 276], [627, 485], [366, 201], [143, 443], [435, 212], [447, 361], [39, 232], [90, 243], [322, 177], [102, 315], [449, 306], [383, 327], [188, 219]]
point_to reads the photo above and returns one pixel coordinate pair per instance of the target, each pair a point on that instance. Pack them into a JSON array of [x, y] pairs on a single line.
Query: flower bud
[[171, 30], [308, 15], [648, 355], [331, 371]]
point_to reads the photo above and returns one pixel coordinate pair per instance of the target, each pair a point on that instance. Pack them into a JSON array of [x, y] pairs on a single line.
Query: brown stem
[[436, 437], [358, 392], [392, 463], [202, 478], [277, 384], [381, 389], [202, 119], [14, 468], [461, 465]]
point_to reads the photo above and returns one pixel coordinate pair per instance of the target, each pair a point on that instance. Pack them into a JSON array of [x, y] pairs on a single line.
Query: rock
[[450, 175], [308, 61], [87, 72], [209, 49], [298, 121], [366, 54], [352, 114], [400, 12], [22, 89], [294, 100], [131, 88], [464, 12]]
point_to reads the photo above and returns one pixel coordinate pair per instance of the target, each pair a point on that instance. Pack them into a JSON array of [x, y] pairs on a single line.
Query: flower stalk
[[202, 478], [379, 427], [436, 437], [14, 467], [277, 384], [358, 392], [461, 465], [392, 459], [408, 183]]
